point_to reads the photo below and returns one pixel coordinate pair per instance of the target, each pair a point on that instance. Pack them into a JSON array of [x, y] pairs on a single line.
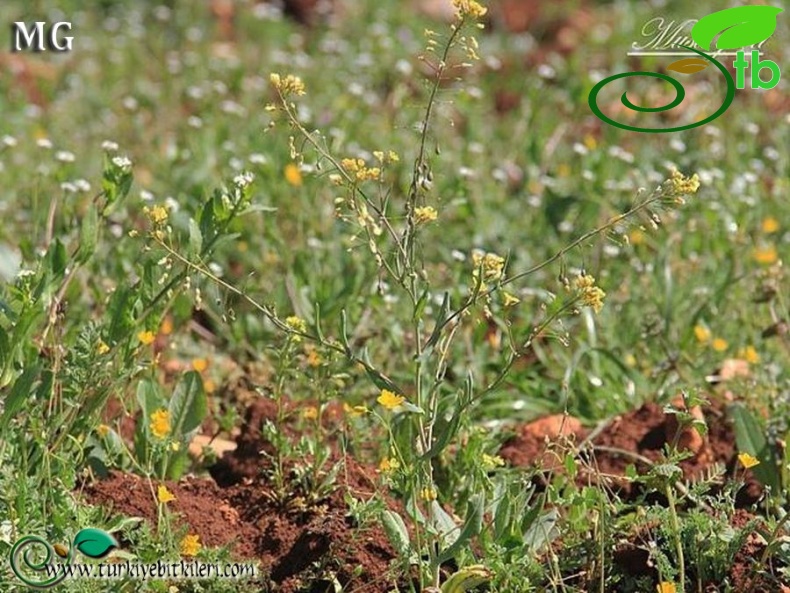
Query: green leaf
[[750, 438], [472, 526], [18, 395], [188, 406], [195, 238], [437, 329], [444, 524], [739, 27], [149, 398], [420, 306], [94, 543], [89, 235], [444, 431], [57, 258], [397, 532]]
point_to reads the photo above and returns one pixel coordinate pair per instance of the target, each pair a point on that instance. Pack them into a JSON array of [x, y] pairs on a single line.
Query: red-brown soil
[[298, 542]]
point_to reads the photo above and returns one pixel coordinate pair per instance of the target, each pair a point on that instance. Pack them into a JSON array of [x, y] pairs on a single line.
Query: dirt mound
[[302, 540]]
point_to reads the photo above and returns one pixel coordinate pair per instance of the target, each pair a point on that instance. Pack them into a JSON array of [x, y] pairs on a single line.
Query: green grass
[[188, 109]]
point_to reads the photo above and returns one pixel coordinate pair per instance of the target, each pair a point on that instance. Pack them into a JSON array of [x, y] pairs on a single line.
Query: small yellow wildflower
[[492, 264], [102, 430], [102, 348], [393, 156], [491, 461], [313, 358], [297, 324], [199, 364], [390, 400], [666, 587], [355, 411], [469, 8], [388, 465], [359, 170], [175, 446], [748, 461], [425, 214], [157, 215], [590, 295], [163, 495], [749, 354], [719, 344], [146, 337], [508, 300], [682, 184], [287, 85], [209, 386], [765, 254], [167, 326], [428, 494], [590, 142], [702, 333], [160, 423], [310, 413], [770, 225], [190, 545], [293, 175], [636, 237]]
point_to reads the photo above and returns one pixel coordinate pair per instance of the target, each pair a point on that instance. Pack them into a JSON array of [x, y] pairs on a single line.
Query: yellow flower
[[425, 214], [590, 142], [288, 84], [146, 337], [388, 465], [209, 386], [636, 237], [666, 587], [293, 175], [157, 214], [164, 495], [702, 333], [770, 225], [313, 359], [719, 344], [190, 545], [465, 8], [492, 264], [492, 461], [508, 300], [167, 326], [684, 185], [310, 413], [747, 460], [102, 430], [355, 411], [160, 423], [297, 324], [199, 364], [749, 354], [765, 254], [389, 400], [102, 348], [428, 494], [589, 294]]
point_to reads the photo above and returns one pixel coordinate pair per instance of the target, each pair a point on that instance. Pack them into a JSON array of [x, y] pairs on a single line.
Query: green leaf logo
[[94, 543], [736, 27]]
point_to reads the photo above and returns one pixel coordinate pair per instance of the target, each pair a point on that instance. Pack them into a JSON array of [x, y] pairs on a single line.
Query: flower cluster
[[160, 423], [358, 169], [469, 8], [590, 295], [288, 84], [491, 264], [425, 214], [684, 185]]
